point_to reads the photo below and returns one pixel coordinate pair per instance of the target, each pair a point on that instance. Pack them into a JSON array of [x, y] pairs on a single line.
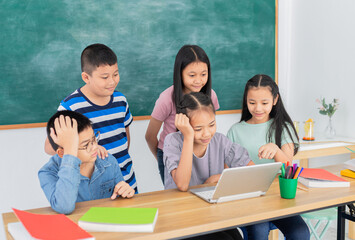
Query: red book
[[51, 227], [314, 177]]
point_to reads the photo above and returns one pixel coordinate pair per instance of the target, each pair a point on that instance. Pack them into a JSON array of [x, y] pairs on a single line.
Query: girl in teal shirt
[[267, 132], [265, 129]]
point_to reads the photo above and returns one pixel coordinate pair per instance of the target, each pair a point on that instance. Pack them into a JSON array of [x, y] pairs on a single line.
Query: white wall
[[284, 42], [316, 59], [316, 53], [322, 61]]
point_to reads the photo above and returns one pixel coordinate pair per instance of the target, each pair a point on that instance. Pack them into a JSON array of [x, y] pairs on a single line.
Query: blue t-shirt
[[63, 184], [111, 120]]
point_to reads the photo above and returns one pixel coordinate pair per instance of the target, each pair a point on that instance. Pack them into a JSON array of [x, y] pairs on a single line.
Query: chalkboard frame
[[138, 118]]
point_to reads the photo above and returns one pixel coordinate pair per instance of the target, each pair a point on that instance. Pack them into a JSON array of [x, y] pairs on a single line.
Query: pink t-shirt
[[165, 111]]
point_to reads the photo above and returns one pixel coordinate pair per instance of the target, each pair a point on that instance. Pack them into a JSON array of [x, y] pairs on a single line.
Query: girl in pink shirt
[[192, 73]]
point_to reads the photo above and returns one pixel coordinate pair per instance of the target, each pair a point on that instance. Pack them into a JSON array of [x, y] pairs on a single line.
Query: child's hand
[[123, 189], [182, 122], [213, 179], [268, 151], [102, 152], [66, 135]]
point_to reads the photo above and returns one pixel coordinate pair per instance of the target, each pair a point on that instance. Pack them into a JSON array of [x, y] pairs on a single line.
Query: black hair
[[281, 120], [96, 55], [195, 101], [82, 121], [186, 55]]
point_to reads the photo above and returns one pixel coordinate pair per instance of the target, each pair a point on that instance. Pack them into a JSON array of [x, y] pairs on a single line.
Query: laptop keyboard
[[206, 194]]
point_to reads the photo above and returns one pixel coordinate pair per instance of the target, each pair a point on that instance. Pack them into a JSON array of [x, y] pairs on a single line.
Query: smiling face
[[87, 140], [260, 102], [194, 77], [203, 121], [102, 81]]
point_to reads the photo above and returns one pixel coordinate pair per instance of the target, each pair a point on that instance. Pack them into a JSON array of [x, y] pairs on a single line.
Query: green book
[[105, 219]]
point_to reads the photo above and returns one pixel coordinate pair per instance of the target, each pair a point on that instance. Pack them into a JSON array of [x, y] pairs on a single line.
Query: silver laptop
[[240, 183]]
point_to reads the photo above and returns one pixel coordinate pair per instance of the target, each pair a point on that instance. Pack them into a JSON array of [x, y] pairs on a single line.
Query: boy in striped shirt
[[107, 109]]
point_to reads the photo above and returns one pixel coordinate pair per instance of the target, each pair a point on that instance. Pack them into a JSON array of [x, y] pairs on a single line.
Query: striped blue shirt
[[111, 120]]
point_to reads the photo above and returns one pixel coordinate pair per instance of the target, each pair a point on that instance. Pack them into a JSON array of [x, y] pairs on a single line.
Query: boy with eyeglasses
[[76, 173]]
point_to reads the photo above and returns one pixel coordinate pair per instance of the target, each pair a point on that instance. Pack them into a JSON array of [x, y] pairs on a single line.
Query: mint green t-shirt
[[253, 136]]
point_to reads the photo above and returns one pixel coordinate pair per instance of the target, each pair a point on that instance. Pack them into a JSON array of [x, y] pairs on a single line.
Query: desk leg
[[341, 224], [351, 234], [304, 162]]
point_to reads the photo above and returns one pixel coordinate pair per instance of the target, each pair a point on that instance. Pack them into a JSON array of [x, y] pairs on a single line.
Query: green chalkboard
[[41, 43]]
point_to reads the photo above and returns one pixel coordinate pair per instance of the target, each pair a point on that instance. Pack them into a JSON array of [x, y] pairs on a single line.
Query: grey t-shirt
[[220, 151]]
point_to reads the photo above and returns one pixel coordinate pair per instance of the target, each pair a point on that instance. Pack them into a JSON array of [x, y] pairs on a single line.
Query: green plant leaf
[[331, 108]]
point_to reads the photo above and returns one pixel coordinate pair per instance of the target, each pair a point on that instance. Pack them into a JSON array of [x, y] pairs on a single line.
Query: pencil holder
[[288, 187]]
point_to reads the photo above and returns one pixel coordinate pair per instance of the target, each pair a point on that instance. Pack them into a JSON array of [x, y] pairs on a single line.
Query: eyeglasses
[[95, 139]]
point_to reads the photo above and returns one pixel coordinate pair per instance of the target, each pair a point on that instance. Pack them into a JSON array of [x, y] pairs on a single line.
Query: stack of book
[[41, 226], [320, 178], [107, 219]]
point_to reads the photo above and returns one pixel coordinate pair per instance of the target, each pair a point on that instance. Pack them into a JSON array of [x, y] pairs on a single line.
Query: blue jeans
[[291, 227], [160, 154]]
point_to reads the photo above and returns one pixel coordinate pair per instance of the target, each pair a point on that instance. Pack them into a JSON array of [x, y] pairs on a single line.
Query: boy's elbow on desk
[[63, 202], [62, 208]]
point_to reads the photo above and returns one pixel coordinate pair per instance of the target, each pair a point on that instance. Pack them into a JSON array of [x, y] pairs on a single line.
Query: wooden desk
[[322, 148], [182, 214]]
